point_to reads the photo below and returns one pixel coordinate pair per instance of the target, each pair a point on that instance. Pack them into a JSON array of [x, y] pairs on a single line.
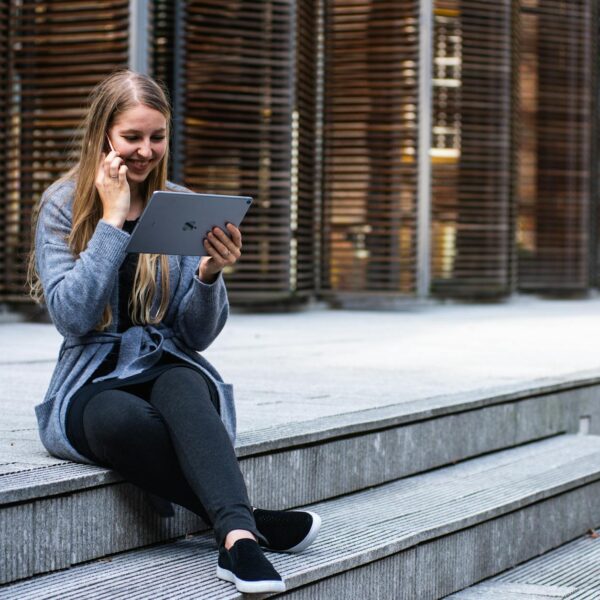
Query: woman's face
[[139, 136]]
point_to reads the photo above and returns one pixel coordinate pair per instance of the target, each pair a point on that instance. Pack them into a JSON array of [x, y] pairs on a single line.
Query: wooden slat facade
[[249, 129], [58, 51], [514, 199], [472, 148], [555, 231], [370, 135]]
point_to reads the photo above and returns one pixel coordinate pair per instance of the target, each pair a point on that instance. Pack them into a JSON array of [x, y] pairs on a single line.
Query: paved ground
[[304, 365]]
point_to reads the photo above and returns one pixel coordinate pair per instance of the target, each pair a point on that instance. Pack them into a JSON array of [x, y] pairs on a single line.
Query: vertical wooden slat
[[304, 250], [472, 150], [370, 148], [4, 140], [247, 103], [554, 155], [59, 51], [162, 53], [163, 41]]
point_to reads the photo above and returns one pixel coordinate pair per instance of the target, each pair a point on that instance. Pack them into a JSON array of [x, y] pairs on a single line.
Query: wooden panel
[[249, 129], [58, 52], [162, 62], [163, 41], [472, 150], [554, 225], [370, 147], [5, 64]]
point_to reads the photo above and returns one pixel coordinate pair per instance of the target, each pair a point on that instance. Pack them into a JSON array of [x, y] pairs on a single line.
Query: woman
[[130, 390]]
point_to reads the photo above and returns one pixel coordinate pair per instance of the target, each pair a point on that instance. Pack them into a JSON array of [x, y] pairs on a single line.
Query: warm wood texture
[[5, 276], [331, 157], [472, 165], [370, 147], [56, 53], [555, 228], [249, 129], [163, 41]]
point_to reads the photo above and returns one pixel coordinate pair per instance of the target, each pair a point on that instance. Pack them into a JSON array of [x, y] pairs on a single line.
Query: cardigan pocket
[[227, 406], [43, 410]]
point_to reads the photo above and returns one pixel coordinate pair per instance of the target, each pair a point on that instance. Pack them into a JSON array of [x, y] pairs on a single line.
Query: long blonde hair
[[116, 94]]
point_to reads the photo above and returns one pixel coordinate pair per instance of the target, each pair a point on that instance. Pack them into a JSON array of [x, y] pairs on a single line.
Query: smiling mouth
[[137, 164]]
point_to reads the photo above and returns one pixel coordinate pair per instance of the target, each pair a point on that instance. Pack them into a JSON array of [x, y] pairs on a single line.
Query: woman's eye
[[154, 139]]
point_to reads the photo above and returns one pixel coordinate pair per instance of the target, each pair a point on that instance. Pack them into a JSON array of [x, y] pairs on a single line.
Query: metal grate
[[57, 52], [472, 166], [370, 148], [554, 155]]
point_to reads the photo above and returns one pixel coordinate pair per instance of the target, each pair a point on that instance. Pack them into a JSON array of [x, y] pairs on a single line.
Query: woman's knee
[[179, 382]]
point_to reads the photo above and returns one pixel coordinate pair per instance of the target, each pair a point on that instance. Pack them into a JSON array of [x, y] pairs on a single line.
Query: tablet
[[177, 222]]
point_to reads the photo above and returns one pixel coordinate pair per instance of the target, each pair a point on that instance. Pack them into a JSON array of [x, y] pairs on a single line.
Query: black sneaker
[[287, 530], [245, 565]]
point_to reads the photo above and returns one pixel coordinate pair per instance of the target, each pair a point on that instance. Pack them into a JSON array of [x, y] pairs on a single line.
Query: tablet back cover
[[177, 222]]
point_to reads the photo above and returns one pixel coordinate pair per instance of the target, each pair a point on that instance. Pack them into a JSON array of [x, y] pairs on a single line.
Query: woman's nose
[[145, 150]]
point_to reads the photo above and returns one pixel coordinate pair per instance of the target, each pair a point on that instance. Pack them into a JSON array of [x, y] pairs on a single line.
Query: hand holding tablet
[[177, 223]]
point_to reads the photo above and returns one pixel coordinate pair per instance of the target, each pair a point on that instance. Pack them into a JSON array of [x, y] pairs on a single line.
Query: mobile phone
[[110, 144]]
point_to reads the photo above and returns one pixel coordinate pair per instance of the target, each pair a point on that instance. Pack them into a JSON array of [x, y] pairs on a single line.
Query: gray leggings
[[166, 436]]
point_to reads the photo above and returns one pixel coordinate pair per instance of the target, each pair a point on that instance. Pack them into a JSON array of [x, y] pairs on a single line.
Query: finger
[[106, 163], [225, 248], [214, 253], [236, 234], [123, 174], [115, 165], [225, 240]]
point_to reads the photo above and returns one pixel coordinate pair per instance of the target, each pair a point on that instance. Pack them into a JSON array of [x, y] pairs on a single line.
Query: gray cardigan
[[76, 292]]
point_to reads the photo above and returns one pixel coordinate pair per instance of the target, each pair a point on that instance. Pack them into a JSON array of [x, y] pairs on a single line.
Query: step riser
[[330, 469], [446, 565], [58, 532], [69, 529]]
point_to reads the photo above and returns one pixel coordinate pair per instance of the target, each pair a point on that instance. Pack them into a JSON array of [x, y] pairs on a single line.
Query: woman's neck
[[136, 203], [135, 192]]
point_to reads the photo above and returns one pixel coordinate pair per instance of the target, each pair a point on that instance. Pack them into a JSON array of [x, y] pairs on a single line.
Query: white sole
[[310, 536], [250, 587]]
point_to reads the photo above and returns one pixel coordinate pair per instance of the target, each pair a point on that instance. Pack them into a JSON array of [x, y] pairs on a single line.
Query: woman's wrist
[[113, 220], [207, 278]]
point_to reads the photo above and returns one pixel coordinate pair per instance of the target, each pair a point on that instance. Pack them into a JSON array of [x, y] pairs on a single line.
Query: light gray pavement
[[301, 366]]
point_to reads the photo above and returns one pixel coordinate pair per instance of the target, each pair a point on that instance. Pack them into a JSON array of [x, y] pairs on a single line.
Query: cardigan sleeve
[[204, 308], [76, 290]]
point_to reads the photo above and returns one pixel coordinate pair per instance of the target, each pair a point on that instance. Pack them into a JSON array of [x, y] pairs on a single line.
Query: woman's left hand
[[222, 251]]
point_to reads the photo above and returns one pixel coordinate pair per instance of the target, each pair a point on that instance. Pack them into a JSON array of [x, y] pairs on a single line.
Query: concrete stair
[[418, 499], [572, 571]]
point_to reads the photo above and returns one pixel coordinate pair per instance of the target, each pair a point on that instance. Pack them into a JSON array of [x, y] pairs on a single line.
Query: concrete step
[[425, 536], [572, 571], [54, 516]]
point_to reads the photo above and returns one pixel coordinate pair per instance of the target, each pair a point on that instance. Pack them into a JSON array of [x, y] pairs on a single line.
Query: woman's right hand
[[113, 188]]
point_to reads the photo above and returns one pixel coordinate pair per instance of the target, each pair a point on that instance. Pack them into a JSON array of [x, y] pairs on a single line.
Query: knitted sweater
[[76, 292]]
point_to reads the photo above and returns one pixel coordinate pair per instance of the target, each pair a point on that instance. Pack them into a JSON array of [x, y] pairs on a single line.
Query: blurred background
[[399, 152]]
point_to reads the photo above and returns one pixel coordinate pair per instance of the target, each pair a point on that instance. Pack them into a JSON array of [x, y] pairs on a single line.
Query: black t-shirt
[[126, 277]]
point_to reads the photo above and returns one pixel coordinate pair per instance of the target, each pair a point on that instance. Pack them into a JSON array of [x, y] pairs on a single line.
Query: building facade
[[396, 151]]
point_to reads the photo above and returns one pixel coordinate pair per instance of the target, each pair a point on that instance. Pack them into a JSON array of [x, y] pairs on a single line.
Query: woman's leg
[[182, 396], [127, 434]]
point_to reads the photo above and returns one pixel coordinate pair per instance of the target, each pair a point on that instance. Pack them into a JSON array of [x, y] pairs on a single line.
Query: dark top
[[126, 277]]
